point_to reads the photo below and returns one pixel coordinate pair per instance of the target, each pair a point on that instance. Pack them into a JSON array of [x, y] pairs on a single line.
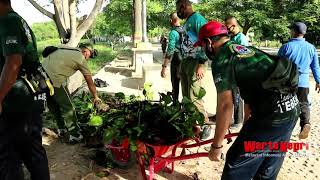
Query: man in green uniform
[[60, 65], [267, 84], [193, 64], [173, 52], [20, 110], [239, 38]]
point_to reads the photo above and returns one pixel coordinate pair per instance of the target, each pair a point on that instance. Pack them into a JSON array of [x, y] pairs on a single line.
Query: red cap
[[212, 28]]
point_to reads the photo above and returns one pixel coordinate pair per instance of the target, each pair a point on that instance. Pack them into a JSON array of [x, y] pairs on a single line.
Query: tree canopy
[[70, 29], [267, 19]]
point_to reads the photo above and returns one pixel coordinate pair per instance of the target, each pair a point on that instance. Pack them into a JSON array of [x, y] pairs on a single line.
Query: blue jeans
[[240, 166]]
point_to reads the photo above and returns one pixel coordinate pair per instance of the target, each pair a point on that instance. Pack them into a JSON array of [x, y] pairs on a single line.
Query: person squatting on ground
[[173, 52], [239, 38], [20, 109], [193, 59], [274, 106], [60, 63], [305, 55]]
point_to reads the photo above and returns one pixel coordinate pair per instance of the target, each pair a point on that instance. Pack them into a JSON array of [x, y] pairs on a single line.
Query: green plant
[[154, 122]]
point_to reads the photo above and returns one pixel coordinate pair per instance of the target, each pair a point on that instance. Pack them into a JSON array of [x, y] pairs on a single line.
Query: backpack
[[283, 78], [182, 32]]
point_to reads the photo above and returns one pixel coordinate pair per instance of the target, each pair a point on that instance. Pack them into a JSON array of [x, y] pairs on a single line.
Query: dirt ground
[[72, 162]]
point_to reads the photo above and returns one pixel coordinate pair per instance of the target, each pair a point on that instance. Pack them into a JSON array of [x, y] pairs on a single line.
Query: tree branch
[[85, 25], [73, 18], [41, 9], [88, 22]]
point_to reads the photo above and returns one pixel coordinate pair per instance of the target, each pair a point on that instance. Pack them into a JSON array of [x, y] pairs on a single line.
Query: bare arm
[[9, 74], [224, 115], [91, 86]]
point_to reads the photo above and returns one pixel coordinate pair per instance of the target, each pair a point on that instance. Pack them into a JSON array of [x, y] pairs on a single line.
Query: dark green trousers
[[190, 85], [60, 105]]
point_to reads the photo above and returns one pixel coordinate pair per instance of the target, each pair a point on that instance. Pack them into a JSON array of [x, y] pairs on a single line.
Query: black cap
[[299, 27]]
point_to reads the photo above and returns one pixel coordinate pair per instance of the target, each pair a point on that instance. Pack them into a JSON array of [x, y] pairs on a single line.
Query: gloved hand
[[101, 106]]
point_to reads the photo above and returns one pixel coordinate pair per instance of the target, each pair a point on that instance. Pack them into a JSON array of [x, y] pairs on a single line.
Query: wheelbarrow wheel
[[122, 159]]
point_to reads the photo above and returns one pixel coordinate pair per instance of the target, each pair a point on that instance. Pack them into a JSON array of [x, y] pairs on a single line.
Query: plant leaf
[[167, 99], [90, 106], [96, 121], [202, 93], [120, 95]]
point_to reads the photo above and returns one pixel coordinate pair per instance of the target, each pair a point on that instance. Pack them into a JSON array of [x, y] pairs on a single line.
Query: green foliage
[[95, 121], [147, 91], [105, 55], [117, 18], [268, 19], [45, 31], [100, 27], [158, 16], [130, 118]]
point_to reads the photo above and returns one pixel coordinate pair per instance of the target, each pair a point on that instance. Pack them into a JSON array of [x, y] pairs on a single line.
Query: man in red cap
[[267, 84]]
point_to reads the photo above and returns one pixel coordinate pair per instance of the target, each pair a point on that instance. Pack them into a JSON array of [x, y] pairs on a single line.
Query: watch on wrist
[[216, 147]]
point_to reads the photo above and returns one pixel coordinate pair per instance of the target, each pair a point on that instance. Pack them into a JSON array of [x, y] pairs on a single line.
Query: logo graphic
[[11, 40]]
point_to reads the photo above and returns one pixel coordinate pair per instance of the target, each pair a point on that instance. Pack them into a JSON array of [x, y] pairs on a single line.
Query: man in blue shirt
[[304, 54]]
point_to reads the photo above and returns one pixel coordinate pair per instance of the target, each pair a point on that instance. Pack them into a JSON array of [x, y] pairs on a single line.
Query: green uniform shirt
[[63, 63], [238, 66], [192, 27], [16, 37], [174, 42], [241, 39]]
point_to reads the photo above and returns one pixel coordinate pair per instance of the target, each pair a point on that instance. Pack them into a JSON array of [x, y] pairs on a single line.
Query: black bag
[[177, 56], [36, 79], [285, 76], [48, 50]]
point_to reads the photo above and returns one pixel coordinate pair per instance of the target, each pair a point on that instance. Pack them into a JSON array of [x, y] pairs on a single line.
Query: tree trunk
[[85, 25], [61, 24], [137, 22], [73, 19], [246, 27], [65, 19]]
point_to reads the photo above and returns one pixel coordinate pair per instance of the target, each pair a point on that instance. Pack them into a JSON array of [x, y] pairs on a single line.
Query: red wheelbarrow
[[162, 157]]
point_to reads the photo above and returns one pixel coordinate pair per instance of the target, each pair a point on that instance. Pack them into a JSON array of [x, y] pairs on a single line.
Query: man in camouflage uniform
[[267, 84], [20, 110]]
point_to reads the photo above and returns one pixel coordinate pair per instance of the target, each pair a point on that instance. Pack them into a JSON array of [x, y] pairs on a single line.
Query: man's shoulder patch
[[241, 51]]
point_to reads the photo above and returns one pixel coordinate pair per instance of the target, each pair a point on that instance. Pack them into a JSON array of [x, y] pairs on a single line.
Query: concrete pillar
[[137, 38], [144, 21]]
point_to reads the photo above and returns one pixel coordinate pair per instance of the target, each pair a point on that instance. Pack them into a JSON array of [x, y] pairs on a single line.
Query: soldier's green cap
[[94, 52]]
